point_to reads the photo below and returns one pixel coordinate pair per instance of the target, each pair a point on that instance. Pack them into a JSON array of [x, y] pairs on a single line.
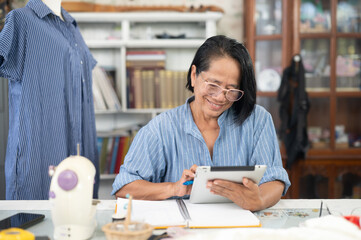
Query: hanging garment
[[51, 109], [294, 106], [4, 9]]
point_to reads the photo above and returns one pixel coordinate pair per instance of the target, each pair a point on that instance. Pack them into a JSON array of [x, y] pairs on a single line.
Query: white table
[[105, 209]]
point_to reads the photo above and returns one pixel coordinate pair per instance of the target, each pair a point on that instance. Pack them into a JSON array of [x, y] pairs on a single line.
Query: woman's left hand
[[248, 195]]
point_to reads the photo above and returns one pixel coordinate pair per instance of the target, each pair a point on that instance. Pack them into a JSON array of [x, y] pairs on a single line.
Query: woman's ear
[[193, 75]]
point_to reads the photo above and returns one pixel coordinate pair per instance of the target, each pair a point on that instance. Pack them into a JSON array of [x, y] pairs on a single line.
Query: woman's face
[[224, 72]]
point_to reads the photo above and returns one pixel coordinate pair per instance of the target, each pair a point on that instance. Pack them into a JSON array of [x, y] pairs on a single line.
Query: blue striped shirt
[[171, 142], [50, 97]]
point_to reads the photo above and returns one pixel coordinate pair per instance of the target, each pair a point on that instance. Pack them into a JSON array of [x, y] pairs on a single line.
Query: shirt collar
[[190, 125], [43, 10]]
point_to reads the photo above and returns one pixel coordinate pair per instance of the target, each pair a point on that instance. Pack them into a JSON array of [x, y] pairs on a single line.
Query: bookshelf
[[112, 36]]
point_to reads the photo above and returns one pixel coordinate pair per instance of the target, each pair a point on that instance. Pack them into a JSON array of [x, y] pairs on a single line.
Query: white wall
[[231, 24]]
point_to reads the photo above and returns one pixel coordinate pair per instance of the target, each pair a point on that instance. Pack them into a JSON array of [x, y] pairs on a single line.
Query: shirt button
[[81, 62], [76, 44]]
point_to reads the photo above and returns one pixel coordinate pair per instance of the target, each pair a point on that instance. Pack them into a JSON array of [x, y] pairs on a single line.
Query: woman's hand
[[179, 189], [248, 194]]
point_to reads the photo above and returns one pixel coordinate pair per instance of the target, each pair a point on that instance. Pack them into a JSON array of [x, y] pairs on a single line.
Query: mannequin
[[49, 70], [55, 6]]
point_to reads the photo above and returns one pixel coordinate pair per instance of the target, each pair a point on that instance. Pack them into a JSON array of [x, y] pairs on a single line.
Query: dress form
[[55, 6]]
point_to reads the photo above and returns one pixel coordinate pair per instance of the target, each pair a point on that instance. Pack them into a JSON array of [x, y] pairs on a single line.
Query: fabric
[[50, 97], [294, 108], [171, 142]]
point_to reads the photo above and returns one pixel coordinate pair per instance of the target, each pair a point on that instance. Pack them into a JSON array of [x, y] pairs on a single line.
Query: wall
[[231, 24]]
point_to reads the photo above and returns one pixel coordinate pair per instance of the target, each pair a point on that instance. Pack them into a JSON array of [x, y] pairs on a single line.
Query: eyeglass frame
[[222, 89]]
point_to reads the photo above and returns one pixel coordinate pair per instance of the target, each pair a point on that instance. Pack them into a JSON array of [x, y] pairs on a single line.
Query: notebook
[[182, 213]]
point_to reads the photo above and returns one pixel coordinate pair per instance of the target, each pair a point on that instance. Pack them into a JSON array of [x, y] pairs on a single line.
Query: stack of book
[[112, 151], [104, 95], [150, 85]]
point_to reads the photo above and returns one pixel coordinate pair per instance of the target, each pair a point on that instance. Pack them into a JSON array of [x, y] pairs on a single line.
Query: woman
[[219, 126]]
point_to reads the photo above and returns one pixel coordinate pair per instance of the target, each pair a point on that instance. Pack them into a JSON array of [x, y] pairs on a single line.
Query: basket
[[112, 233]]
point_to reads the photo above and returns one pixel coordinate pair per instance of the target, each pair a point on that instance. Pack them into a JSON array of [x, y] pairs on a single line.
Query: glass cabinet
[[327, 35]]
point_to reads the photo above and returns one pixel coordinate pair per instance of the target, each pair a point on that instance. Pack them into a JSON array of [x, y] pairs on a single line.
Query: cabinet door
[[348, 16], [315, 16], [316, 61], [319, 123], [348, 63], [268, 52], [348, 76]]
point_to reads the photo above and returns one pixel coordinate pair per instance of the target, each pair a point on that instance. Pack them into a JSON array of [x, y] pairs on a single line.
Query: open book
[[168, 213]]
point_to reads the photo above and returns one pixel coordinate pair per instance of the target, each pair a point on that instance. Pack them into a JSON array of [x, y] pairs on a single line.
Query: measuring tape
[[16, 234]]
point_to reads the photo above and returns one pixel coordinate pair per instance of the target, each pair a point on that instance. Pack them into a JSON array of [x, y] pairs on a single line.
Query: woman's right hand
[[179, 189]]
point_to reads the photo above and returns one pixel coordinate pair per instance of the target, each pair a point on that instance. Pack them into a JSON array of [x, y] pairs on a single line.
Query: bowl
[[136, 231]]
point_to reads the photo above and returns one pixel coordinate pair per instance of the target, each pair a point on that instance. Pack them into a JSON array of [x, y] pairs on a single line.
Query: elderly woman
[[220, 125]]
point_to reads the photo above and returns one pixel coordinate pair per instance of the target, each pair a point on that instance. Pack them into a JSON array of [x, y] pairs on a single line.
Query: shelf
[[105, 43], [329, 34], [165, 43], [146, 16], [110, 36], [312, 92], [133, 111], [107, 112], [340, 93], [146, 110], [107, 176], [268, 37], [316, 35], [266, 94], [153, 43]]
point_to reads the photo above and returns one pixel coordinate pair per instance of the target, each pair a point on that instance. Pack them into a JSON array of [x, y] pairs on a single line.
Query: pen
[[328, 210], [188, 183], [321, 209]]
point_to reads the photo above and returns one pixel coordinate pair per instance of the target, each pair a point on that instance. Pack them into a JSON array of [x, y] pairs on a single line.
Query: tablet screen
[[201, 194]]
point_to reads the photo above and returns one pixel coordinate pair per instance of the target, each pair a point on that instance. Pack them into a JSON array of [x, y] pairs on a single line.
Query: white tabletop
[[105, 209]]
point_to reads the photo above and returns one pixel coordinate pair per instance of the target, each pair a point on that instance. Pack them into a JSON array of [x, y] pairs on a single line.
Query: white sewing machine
[[71, 196]]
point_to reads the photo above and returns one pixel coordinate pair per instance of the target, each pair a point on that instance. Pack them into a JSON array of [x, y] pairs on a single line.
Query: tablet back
[[201, 194]]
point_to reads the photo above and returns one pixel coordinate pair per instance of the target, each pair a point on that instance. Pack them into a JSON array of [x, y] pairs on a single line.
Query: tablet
[[201, 194]]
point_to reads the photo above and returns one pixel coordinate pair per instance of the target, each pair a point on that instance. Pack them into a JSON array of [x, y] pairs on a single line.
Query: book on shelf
[[173, 92], [103, 155], [182, 213], [141, 69], [102, 85], [122, 151], [99, 102], [146, 55], [114, 155], [112, 148]]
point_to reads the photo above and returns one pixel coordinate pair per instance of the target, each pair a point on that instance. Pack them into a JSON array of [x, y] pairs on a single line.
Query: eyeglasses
[[214, 90]]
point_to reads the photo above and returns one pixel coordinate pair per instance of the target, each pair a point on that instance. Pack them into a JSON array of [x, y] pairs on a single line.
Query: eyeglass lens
[[215, 90]]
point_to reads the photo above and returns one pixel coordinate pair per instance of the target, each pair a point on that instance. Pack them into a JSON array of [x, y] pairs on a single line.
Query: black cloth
[[294, 108]]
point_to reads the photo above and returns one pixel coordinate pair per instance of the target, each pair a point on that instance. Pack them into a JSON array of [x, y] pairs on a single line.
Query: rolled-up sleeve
[[144, 160], [266, 150]]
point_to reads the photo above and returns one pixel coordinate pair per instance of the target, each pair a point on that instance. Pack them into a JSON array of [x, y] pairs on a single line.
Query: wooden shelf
[[348, 94], [268, 37], [314, 94], [266, 94]]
